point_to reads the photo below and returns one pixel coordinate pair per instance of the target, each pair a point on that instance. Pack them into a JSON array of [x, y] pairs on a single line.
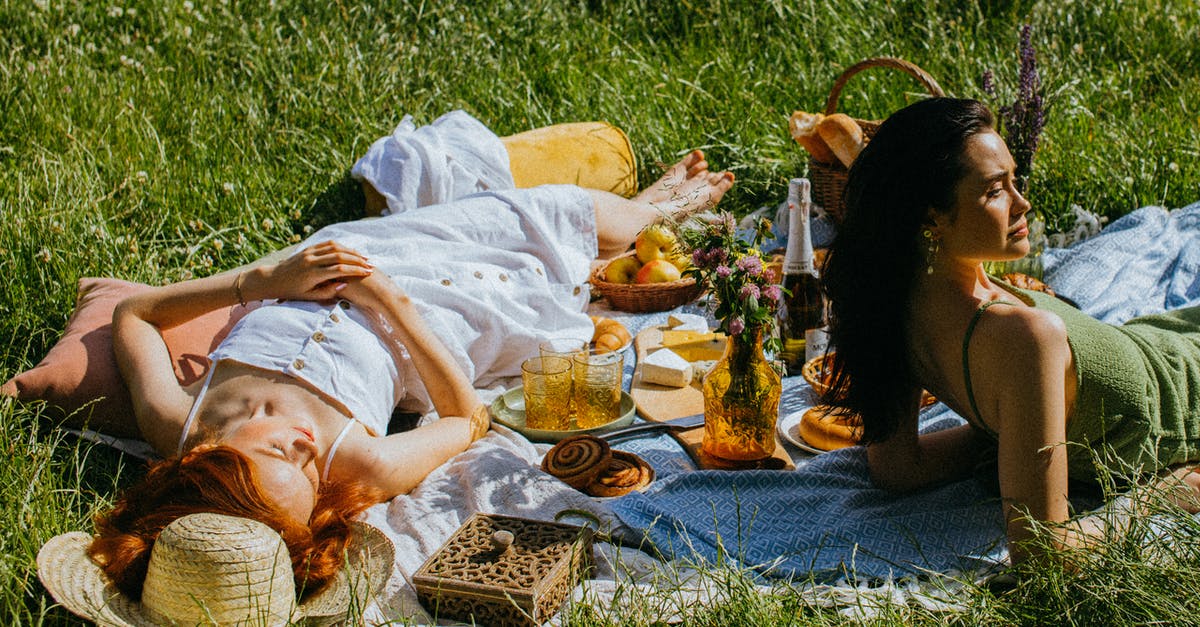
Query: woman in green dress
[[931, 198]]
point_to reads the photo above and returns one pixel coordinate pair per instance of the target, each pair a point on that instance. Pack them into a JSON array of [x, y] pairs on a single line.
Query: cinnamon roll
[[578, 460], [626, 472]]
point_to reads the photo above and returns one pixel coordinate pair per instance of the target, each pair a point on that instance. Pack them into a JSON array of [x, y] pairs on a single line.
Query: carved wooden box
[[501, 570]]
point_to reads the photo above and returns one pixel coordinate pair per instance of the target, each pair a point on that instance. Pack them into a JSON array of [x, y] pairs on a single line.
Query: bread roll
[[804, 130], [843, 136], [1026, 282], [602, 326], [828, 430], [608, 342]]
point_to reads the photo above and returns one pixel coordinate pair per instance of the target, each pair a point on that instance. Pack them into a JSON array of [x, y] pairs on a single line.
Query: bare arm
[[400, 461], [1024, 395], [159, 402], [909, 461], [397, 463], [449, 388]]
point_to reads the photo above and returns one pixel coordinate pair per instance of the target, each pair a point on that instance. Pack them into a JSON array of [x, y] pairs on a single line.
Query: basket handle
[[899, 64]]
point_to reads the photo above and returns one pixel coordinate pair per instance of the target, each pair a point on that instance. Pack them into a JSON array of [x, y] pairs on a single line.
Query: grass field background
[[155, 141]]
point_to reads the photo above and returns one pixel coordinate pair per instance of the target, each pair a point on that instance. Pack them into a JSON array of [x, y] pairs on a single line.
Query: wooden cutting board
[[660, 402]]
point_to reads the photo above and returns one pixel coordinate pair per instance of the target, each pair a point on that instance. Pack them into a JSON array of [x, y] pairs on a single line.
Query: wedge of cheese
[[687, 322], [693, 345], [666, 367]]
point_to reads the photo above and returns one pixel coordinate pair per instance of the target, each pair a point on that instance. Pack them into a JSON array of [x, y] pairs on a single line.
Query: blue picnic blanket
[[825, 520]]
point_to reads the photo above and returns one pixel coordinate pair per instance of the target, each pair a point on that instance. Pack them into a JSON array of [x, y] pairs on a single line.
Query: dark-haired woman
[[930, 199]]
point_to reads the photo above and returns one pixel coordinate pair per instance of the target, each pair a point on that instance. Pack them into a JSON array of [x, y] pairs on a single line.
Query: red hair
[[221, 480]]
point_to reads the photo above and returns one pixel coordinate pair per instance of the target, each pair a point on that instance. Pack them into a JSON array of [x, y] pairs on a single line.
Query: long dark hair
[[911, 165]]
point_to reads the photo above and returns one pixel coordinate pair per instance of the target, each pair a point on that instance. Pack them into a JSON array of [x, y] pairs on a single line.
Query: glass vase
[[741, 401]]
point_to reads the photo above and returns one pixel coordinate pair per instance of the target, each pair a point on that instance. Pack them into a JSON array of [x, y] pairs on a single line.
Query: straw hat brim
[[78, 584]]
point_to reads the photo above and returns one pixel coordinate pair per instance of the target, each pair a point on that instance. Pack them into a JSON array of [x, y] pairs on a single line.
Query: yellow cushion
[[595, 155]]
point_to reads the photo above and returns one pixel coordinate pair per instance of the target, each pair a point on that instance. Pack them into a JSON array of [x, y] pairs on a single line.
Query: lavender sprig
[[988, 83], [1024, 119]]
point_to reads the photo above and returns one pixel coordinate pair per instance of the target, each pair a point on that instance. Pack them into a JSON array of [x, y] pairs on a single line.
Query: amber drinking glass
[[547, 382], [597, 395]]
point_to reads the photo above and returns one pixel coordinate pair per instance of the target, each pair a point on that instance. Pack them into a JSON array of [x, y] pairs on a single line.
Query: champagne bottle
[[802, 314]]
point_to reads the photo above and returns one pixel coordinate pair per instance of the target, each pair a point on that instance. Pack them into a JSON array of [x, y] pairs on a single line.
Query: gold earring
[[932, 246]]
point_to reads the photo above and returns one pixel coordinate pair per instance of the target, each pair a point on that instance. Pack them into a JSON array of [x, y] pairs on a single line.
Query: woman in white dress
[[417, 308]]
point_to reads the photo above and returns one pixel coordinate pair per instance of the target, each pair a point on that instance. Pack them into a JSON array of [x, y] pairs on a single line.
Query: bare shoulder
[[1019, 330], [1019, 360]]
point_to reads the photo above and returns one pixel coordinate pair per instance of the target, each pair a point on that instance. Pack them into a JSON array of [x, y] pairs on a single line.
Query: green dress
[[1138, 397]]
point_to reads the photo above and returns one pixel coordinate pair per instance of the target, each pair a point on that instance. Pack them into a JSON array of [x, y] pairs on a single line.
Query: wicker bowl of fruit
[[648, 278]]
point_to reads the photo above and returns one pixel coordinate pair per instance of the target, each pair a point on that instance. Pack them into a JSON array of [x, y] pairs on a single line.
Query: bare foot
[[692, 165], [685, 189], [696, 194]]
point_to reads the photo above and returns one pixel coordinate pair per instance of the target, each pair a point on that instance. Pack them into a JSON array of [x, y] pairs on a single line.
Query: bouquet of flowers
[[744, 293]]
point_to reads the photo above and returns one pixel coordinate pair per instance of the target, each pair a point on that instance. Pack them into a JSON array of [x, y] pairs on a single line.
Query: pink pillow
[[80, 370]]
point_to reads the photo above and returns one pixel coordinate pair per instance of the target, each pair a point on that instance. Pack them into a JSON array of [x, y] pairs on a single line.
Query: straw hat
[[213, 569]]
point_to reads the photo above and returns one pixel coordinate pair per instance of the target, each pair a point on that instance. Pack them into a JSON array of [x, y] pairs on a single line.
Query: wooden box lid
[[503, 570]]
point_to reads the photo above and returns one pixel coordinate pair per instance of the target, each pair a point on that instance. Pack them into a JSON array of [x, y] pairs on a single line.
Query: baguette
[[843, 136], [804, 130]]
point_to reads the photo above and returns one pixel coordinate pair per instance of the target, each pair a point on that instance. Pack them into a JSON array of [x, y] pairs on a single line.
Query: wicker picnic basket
[[644, 297], [829, 179]]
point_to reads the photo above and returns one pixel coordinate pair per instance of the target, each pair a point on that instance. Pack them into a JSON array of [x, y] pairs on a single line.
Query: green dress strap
[[967, 368]]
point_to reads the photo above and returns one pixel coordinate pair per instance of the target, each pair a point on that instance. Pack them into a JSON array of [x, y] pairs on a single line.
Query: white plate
[[509, 410], [789, 429]]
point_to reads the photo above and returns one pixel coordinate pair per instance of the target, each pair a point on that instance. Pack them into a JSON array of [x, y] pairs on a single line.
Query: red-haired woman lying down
[[418, 307]]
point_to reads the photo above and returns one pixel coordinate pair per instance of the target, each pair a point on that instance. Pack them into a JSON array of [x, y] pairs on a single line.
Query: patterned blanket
[[826, 521]]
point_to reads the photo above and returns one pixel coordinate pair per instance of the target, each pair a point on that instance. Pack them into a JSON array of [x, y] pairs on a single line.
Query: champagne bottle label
[[816, 343]]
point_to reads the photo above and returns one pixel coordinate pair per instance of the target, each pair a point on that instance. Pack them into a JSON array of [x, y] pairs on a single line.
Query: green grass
[[154, 141]]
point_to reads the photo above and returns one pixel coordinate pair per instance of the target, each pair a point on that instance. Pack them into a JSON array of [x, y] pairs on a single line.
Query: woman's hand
[[318, 272]]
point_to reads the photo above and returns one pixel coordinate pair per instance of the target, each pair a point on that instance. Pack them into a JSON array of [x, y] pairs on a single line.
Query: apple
[[657, 271], [622, 270], [654, 242]]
